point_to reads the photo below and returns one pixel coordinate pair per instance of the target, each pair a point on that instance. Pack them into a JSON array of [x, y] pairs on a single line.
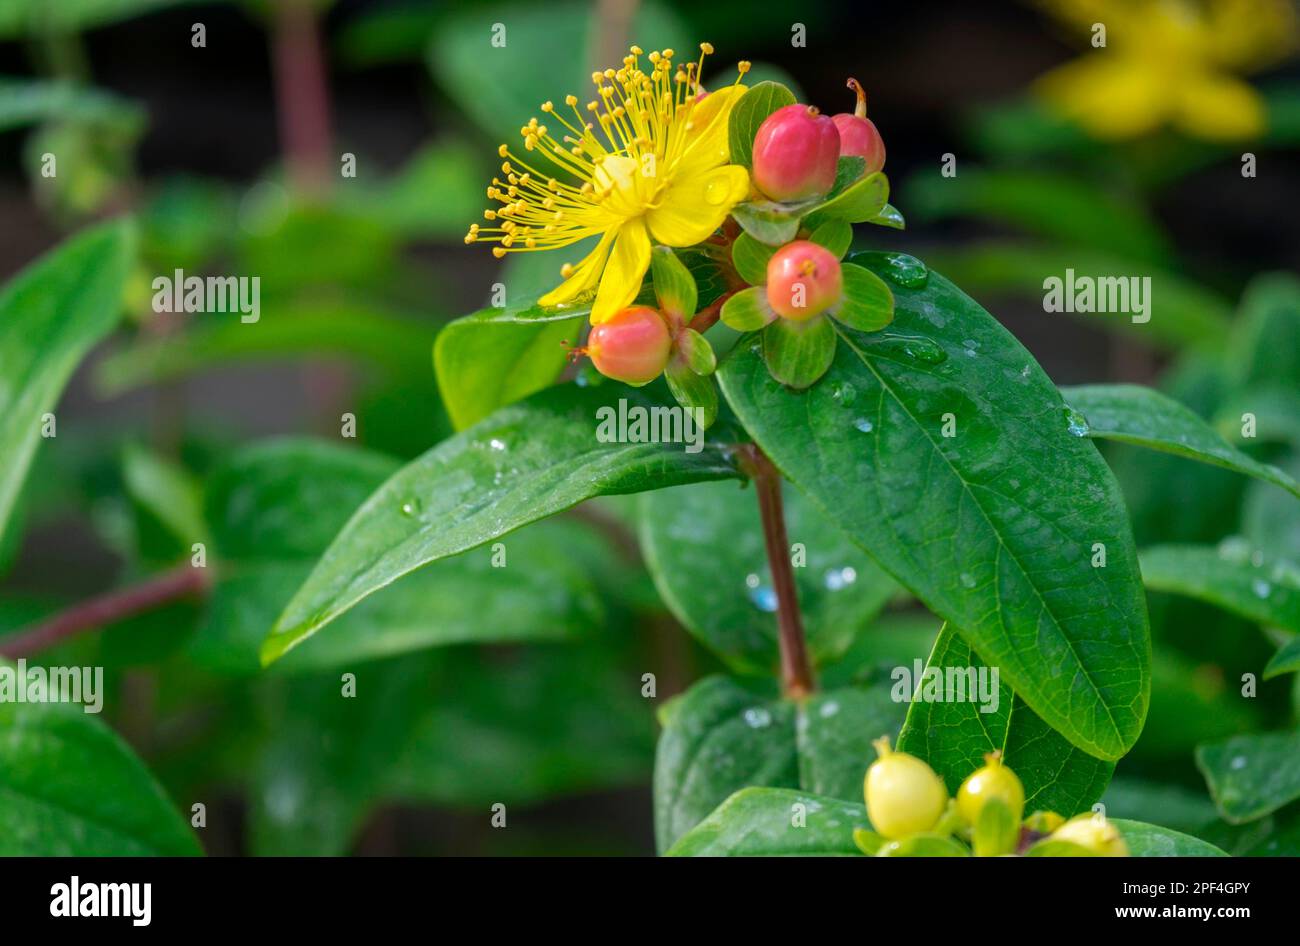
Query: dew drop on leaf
[[837, 579], [907, 271], [1076, 423], [757, 717], [411, 508], [1261, 588], [844, 393], [967, 580], [924, 351], [864, 425], [761, 595]]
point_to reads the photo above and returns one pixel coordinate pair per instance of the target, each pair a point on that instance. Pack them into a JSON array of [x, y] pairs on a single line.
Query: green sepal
[[750, 258], [747, 310], [834, 235], [696, 351], [867, 304], [674, 285], [798, 353], [923, 845], [693, 391], [996, 830]]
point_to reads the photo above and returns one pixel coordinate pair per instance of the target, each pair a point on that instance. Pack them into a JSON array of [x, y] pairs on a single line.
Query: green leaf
[[721, 590], [1172, 805], [26, 102], [868, 305], [1286, 660], [723, 735], [747, 310], [799, 353], [1185, 315], [770, 222], [996, 830], [1055, 205], [994, 528], [953, 735], [858, 202], [72, 788], [495, 357], [1133, 414], [51, 315], [1253, 775], [673, 284], [1230, 576], [1263, 348], [750, 257], [524, 463], [834, 234], [693, 391], [749, 113], [761, 822], [36, 17], [437, 194], [354, 332], [1149, 840], [168, 491], [276, 506]]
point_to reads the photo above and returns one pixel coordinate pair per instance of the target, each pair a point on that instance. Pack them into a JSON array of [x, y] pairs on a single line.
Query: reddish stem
[[302, 94], [181, 582], [797, 680]]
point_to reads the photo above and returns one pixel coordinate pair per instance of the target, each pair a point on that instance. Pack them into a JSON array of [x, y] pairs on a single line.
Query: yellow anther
[[744, 66], [706, 48], [489, 215], [668, 54], [637, 51], [566, 270], [498, 252], [503, 151], [548, 106]]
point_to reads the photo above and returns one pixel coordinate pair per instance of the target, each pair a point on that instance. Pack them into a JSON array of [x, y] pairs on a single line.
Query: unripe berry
[[858, 134], [796, 152], [1094, 833], [632, 346], [994, 780], [904, 796], [803, 280]]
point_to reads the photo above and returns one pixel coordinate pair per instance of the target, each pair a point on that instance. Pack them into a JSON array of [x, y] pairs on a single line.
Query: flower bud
[[858, 134], [632, 346], [803, 280], [994, 780], [904, 796], [796, 152], [1094, 833]]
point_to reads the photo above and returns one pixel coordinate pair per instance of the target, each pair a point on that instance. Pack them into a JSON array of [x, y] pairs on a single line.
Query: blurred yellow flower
[[658, 168], [1169, 63]]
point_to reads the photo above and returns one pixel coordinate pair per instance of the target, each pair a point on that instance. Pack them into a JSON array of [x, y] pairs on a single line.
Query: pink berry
[[803, 280], [795, 153], [633, 346], [858, 134]]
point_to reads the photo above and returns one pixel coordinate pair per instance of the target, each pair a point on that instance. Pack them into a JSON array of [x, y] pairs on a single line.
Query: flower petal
[[1219, 108], [1119, 97], [693, 207], [623, 273], [584, 275], [707, 143]]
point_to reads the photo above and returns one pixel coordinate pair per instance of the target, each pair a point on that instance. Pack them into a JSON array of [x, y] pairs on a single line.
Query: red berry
[[633, 346], [858, 134], [795, 153], [803, 279]]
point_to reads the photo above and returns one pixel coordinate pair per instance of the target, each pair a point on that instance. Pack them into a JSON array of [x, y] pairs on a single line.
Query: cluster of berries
[[909, 808], [796, 156]]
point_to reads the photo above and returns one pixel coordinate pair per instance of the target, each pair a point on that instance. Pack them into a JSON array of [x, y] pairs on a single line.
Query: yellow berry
[[994, 780], [1093, 832], [904, 796]]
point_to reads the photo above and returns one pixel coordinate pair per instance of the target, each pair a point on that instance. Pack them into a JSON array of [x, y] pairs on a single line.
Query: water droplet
[[761, 595], [971, 346], [844, 393], [1257, 559], [757, 717], [1076, 423], [924, 350], [716, 192], [497, 444], [967, 580], [587, 376], [907, 271], [864, 425], [829, 709], [839, 578], [1261, 588], [411, 508], [1238, 763]]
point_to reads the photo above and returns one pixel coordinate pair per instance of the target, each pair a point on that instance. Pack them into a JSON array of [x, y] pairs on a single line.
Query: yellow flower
[[1169, 62], [651, 164]]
